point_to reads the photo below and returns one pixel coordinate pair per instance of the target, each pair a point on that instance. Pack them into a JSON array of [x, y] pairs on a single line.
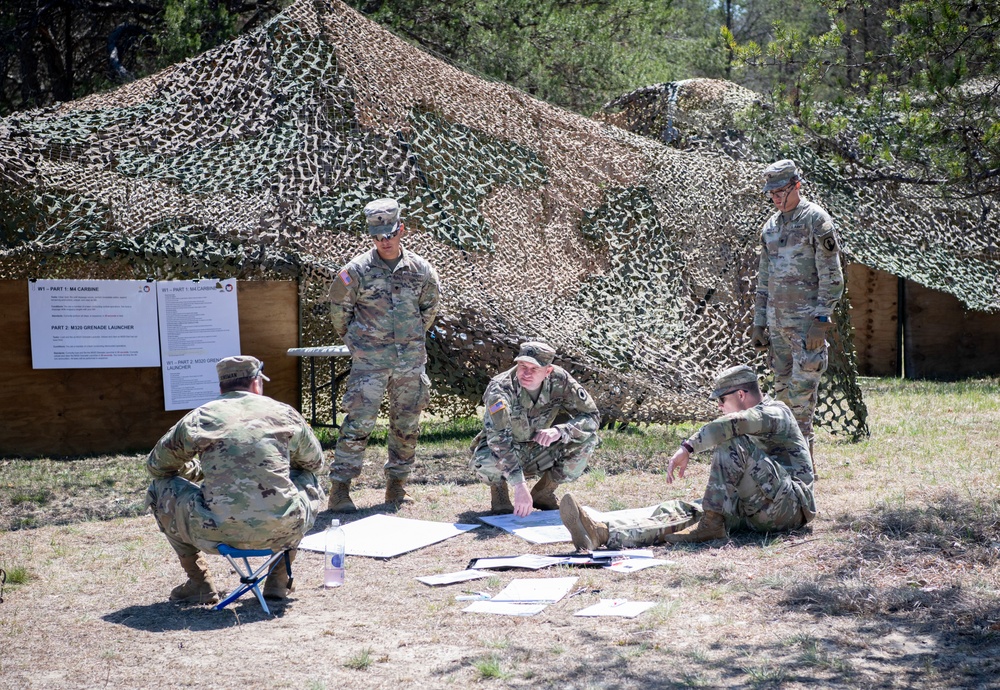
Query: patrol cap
[[779, 174], [382, 216], [537, 353], [239, 367], [731, 379]]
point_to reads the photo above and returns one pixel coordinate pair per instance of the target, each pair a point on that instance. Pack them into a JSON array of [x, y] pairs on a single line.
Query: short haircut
[[242, 384]]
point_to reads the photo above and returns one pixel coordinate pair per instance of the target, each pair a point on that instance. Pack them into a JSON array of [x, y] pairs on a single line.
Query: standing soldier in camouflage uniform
[[798, 286], [519, 439], [382, 303], [256, 460], [761, 477]]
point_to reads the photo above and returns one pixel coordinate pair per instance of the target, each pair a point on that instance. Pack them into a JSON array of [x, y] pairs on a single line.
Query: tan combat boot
[[543, 493], [199, 588], [500, 499], [340, 498], [394, 491], [587, 533], [277, 585], [711, 526]]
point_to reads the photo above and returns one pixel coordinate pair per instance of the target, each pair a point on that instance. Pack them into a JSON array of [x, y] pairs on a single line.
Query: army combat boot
[[199, 588], [711, 526], [277, 585], [587, 533], [394, 491], [500, 499], [543, 493], [340, 498]]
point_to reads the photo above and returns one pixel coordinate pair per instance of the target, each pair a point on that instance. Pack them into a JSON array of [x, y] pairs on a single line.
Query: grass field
[[894, 585]]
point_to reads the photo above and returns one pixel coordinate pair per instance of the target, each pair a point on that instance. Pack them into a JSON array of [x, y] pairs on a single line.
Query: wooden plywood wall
[[943, 340], [874, 308], [60, 412]]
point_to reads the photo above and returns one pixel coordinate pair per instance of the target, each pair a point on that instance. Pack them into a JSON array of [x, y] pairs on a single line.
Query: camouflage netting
[[938, 236], [634, 259]]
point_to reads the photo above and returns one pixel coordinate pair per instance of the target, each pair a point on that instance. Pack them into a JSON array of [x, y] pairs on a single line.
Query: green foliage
[[362, 660], [491, 667]]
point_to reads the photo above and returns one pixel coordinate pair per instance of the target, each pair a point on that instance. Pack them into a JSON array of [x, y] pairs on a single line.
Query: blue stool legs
[[249, 577]]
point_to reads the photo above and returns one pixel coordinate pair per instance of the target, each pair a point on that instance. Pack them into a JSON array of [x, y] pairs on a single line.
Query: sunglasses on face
[[388, 235]]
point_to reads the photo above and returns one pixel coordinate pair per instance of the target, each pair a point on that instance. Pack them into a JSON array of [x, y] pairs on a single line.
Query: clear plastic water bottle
[[333, 563]]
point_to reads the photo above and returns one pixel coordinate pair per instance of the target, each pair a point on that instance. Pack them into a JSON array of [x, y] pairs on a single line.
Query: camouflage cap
[[779, 174], [239, 367], [731, 379], [536, 353], [382, 216]]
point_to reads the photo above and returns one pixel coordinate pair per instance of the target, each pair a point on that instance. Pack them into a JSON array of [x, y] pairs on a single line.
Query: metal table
[[332, 352]]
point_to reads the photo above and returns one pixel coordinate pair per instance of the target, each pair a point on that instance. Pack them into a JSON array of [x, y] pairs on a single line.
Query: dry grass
[[894, 585]]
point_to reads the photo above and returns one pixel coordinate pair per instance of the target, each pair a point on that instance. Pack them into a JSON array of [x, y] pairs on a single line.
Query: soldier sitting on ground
[[760, 479], [519, 439], [255, 460]]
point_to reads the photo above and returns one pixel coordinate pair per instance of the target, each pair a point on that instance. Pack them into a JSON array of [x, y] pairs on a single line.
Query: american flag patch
[[497, 406], [346, 277]]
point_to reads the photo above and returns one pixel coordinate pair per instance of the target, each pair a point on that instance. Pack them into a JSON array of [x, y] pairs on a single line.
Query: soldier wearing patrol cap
[[238, 470], [381, 304], [760, 479], [519, 438], [798, 286]]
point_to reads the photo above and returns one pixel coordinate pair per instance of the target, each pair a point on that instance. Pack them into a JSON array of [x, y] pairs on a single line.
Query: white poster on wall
[[93, 324], [199, 325]]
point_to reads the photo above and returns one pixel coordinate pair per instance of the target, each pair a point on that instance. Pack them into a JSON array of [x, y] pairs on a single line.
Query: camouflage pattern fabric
[[254, 160], [409, 391], [761, 475], [668, 518], [257, 459], [504, 449], [799, 278], [382, 314]]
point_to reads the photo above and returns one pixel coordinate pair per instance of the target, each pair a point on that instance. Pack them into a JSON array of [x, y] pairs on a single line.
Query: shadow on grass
[[167, 617]]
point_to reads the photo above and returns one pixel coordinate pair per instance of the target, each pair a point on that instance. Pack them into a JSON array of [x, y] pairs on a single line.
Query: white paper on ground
[[529, 561], [505, 608], [540, 590], [452, 578], [634, 564], [545, 527], [385, 536], [616, 607], [624, 553]]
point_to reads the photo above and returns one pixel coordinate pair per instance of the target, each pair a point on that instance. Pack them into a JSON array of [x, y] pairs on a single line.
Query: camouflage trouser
[[669, 517], [751, 490], [565, 461], [181, 514], [409, 392], [797, 372]]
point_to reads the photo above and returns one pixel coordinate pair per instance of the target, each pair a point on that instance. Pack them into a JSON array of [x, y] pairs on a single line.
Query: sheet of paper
[[528, 561], [600, 554], [385, 536], [545, 527], [539, 590], [616, 607], [633, 564], [504, 608], [452, 578]]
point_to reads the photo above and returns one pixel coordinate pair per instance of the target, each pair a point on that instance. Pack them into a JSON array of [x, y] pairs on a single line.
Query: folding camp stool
[[249, 577]]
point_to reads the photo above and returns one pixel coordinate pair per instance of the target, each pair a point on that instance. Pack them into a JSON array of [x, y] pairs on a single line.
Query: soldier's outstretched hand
[[679, 462]]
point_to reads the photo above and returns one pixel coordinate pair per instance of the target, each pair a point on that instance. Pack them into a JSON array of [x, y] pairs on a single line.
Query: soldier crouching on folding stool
[[761, 477], [255, 460], [519, 440]]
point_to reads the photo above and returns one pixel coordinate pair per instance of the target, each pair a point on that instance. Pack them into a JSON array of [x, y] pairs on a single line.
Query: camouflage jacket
[[382, 315], [800, 276], [512, 419], [772, 428], [246, 444]]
